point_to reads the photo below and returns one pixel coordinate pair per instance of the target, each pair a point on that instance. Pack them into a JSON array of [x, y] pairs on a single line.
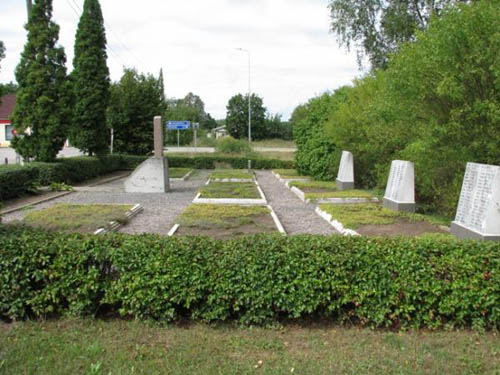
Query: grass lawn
[[78, 218], [230, 190], [355, 215], [265, 155], [276, 143], [132, 347], [178, 172], [328, 189], [289, 173], [220, 216], [232, 173]]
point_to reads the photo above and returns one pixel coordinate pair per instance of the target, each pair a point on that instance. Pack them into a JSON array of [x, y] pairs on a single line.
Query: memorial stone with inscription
[[151, 176], [400, 190], [478, 212], [345, 177]]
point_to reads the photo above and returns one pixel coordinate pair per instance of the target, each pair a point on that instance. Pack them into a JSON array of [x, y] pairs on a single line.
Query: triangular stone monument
[[400, 190], [478, 212], [345, 177], [151, 176]]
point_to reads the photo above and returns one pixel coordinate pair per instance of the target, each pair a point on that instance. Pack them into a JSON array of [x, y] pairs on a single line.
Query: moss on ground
[[231, 173], [178, 172]]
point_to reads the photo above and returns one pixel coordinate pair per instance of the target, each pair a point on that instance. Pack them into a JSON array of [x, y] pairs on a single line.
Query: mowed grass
[[133, 347], [220, 216], [178, 172], [274, 143], [244, 190], [231, 173], [355, 215], [79, 218], [328, 189]]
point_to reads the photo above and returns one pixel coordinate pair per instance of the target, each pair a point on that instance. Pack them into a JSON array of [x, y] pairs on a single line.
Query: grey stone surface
[[158, 137], [160, 209], [398, 206], [344, 185], [151, 176], [297, 217], [463, 232]]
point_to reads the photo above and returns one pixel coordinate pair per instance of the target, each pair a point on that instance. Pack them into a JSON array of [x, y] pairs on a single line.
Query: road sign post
[[178, 125]]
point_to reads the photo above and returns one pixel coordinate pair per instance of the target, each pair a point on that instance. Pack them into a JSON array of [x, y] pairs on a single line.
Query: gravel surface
[[296, 216], [160, 210]]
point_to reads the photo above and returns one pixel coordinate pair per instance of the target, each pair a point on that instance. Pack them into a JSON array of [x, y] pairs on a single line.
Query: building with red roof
[[7, 103]]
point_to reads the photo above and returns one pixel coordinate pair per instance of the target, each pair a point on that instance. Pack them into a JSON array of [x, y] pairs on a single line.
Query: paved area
[[296, 216], [160, 210]]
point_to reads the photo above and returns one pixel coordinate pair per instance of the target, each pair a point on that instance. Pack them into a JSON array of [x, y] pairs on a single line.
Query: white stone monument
[[478, 212], [345, 177], [151, 176], [400, 190]]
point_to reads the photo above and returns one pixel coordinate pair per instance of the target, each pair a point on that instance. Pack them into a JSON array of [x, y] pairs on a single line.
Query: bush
[[229, 145], [254, 280]]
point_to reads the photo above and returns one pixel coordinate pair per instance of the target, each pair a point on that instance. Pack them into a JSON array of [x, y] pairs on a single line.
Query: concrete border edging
[[114, 225], [172, 230], [183, 178], [335, 223], [277, 221]]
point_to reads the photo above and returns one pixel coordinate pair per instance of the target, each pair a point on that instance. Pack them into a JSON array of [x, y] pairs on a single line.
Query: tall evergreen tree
[[41, 112], [91, 82]]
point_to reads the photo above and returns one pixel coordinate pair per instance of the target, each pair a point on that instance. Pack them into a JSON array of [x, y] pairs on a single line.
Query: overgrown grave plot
[[327, 192], [226, 221], [372, 219], [82, 218], [232, 175], [179, 174]]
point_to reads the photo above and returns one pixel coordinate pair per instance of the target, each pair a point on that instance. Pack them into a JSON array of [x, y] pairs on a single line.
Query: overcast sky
[[293, 54]]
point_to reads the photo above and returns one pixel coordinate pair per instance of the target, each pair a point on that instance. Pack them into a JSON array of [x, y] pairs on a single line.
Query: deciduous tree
[[237, 117]]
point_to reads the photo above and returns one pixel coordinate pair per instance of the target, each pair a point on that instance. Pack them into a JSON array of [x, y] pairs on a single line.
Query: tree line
[[436, 103]]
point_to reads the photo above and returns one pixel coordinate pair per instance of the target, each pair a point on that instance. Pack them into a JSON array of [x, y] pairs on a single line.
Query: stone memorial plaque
[[345, 177], [478, 211], [400, 190]]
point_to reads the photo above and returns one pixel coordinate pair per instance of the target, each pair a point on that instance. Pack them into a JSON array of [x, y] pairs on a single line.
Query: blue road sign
[[178, 125]]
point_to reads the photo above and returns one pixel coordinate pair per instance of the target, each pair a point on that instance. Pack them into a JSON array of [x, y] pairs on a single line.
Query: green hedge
[[253, 280], [17, 180]]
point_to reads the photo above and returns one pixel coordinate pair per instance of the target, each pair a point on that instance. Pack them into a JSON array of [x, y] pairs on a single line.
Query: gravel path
[[296, 216], [160, 210]]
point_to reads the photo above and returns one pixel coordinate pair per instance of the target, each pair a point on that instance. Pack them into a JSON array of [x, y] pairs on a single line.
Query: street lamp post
[[249, 97]]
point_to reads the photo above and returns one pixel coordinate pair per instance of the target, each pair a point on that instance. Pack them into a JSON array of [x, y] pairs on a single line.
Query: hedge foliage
[[252, 280], [18, 180]]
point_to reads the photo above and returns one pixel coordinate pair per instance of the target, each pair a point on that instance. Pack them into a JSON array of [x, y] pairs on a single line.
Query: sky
[[293, 56]]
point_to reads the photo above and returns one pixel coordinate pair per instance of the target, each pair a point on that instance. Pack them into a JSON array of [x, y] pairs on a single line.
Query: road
[[7, 153]]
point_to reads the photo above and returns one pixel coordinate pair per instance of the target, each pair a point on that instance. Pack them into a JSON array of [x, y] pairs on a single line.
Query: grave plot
[[179, 174], [287, 175], [82, 218], [372, 219], [232, 175], [231, 193], [327, 192], [226, 221]]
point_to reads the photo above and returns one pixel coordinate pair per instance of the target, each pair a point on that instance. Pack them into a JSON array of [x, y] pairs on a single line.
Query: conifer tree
[[41, 112], [91, 82]]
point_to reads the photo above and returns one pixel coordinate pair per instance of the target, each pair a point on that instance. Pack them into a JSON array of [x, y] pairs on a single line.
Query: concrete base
[[459, 231], [151, 176], [344, 185], [398, 206]]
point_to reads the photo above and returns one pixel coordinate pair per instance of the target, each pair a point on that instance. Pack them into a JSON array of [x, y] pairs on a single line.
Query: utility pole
[[28, 7]]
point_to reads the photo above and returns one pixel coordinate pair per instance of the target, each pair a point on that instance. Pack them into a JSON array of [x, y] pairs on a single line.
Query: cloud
[[293, 55]]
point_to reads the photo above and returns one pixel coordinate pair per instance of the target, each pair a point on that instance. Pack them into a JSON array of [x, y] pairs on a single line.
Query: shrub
[[427, 282], [229, 145]]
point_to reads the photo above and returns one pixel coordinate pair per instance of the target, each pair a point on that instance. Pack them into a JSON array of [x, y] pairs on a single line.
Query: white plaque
[[346, 168], [479, 204], [401, 183]]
